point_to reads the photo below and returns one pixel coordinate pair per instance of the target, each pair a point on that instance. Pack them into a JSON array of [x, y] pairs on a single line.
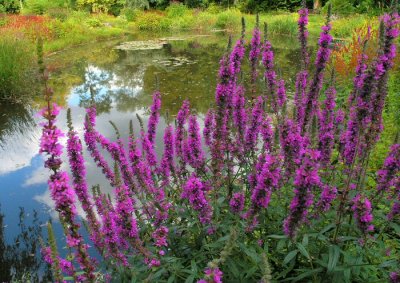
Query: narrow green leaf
[[190, 279], [303, 250], [304, 275], [334, 254], [391, 262], [327, 228], [290, 256], [305, 240], [277, 236]]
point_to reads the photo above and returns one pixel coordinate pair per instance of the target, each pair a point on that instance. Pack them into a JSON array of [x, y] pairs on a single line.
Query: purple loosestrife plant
[[254, 54], [328, 195], [237, 202], [253, 128], [209, 126], [362, 212], [269, 74], [364, 123], [167, 162], [303, 34], [305, 182], [326, 132], [78, 169], [388, 175], [194, 151], [154, 117], [90, 138], [194, 192], [61, 192], [321, 61], [256, 172], [292, 145]]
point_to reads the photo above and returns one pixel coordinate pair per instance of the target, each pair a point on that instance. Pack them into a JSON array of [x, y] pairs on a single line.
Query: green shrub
[[151, 21], [94, 22], [282, 24], [345, 27], [229, 19], [214, 9], [176, 10], [58, 13], [137, 4], [41, 7], [130, 14], [9, 6], [18, 69]]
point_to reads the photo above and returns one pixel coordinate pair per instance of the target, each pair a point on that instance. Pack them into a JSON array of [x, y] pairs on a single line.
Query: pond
[[121, 80]]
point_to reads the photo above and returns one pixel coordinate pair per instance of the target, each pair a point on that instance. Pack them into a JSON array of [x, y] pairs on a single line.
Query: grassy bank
[[63, 28], [18, 76]]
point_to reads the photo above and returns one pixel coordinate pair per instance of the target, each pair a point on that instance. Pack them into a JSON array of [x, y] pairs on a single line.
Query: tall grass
[[18, 76]]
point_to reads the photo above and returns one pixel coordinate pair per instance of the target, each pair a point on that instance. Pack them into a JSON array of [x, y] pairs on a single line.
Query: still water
[[121, 82]]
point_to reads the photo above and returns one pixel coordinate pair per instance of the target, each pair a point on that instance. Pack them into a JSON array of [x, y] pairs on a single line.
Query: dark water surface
[[121, 82]]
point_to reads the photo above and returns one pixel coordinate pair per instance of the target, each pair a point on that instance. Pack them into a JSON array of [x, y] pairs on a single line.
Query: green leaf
[[303, 250], [194, 266], [396, 227], [327, 228], [334, 254], [171, 279], [304, 275], [233, 268], [277, 236], [305, 240], [290, 256], [391, 262], [190, 279]]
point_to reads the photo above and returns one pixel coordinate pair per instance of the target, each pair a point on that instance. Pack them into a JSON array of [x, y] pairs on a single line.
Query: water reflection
[[21, 260]]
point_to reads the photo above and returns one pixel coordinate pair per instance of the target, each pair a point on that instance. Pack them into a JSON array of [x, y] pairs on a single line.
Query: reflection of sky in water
[[104, 83]]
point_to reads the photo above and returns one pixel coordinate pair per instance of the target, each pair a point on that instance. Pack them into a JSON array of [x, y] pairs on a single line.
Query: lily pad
[[142, 45]]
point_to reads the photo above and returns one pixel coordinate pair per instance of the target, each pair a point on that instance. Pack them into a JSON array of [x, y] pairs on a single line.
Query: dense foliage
[[270, 189]]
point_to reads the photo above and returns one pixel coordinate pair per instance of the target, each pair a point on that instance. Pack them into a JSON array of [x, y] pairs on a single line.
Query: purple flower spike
[[237, 202], [267, 181], [194, 192], [194, 151], [326, 133], [387, 176], [167, 162], [327, 196], [154, 117], [254, 127], [323, 54], [213, 275], [305, 182], [362, 212], [303, 35], [394, 277], [209, 127], [255, 54]]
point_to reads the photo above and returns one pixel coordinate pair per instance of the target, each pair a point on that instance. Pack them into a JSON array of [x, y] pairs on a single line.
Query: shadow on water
[[21, 261]]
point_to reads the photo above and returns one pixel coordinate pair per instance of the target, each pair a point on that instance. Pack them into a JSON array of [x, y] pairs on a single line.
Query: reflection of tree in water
[[21, 260], [14, 118], [95, 90]]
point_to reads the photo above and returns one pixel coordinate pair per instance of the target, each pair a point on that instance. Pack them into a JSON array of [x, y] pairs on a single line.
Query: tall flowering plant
[[261, 193]]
